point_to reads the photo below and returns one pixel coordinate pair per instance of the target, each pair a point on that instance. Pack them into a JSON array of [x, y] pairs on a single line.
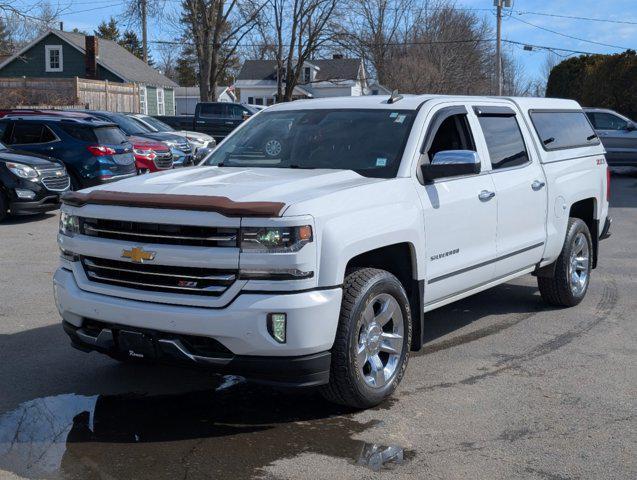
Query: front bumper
[[46, 204], [298, 371], [240, 327]]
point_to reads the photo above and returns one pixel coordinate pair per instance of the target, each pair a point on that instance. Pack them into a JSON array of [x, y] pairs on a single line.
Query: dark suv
[[29, 183], [93, 152]]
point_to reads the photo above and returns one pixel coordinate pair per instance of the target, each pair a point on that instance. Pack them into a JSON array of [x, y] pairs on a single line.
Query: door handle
[[537, 185], [486, 195]]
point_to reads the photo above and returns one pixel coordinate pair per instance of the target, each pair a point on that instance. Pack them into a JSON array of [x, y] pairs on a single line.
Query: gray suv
[[618, 135]]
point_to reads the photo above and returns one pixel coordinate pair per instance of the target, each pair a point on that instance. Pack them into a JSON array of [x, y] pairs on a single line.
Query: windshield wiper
[[302, 167]]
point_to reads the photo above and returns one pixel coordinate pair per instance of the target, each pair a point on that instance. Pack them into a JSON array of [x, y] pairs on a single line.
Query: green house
[[60, 54]]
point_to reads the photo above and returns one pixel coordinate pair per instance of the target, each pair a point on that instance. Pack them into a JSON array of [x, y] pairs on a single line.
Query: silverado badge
[[138, 255]]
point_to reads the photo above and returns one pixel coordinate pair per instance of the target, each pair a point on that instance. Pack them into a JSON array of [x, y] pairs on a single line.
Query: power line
[[574, 17], [568, 36], [544, 47]]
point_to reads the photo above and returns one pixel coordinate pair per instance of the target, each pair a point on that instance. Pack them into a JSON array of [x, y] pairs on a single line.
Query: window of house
[[53, 58], [143, 106], [563, 129], [307, 75], [504, 141], [453, 133], [269, 101], [250, 100], [607, 121], [161, 107], [258, 101]]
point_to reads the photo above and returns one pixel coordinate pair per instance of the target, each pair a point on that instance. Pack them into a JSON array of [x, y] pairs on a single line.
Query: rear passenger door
[[520, 188]]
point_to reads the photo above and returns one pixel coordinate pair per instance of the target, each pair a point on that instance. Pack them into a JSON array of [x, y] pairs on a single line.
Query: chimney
[[91, 48], [62, 26], [337, 56]]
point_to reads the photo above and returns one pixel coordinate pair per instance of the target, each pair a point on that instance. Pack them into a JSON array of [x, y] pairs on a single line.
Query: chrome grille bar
[[219, 278], [217, 238], [212, 288]]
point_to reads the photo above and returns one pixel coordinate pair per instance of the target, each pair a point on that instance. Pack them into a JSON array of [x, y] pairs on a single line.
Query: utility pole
[[498, 43], [143, 9]]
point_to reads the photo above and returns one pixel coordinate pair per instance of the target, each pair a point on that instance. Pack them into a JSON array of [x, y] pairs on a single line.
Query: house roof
[[111, 56], [328, 69], [120, 61]]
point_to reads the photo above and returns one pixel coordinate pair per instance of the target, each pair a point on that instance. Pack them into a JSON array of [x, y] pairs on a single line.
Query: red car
[[151, 155]]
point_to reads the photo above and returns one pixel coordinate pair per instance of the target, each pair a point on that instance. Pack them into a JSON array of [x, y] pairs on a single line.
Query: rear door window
[[214, 110], [563, 129], [607, 121], [25, 133], [504, 141]]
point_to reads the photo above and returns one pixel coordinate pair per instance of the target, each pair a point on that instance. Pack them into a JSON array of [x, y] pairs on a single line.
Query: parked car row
[[83, 148]]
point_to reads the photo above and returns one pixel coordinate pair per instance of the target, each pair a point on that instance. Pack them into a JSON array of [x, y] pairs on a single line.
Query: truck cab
[[307, 248]]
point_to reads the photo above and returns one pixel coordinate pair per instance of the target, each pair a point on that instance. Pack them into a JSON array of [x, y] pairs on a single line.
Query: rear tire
[[371, 349], [569, 284]]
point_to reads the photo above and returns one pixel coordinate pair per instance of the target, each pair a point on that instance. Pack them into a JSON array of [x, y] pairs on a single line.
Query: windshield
[[158, 124], [370, 142], [128, 125]]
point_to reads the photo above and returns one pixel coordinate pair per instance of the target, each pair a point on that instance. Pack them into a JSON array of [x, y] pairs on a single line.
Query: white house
[[187, 98], [334, 77]]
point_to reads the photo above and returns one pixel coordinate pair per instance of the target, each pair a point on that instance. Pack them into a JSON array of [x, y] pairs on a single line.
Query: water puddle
[[230, 431]]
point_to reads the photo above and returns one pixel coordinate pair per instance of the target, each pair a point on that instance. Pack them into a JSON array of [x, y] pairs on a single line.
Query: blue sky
[[86, 14]]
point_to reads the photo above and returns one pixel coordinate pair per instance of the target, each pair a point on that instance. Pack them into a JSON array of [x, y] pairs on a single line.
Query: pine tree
[[131, 42], [108, 31]]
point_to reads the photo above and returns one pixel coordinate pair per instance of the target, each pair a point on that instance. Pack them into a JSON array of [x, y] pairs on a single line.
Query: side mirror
[[451, 163]]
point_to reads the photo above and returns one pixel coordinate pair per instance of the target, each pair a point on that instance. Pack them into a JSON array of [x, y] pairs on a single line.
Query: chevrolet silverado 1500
[[307, 248]]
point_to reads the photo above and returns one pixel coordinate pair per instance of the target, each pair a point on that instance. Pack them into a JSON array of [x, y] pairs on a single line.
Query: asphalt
[[505, 387]]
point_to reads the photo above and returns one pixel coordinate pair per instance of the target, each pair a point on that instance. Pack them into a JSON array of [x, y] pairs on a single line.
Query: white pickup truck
[[308, 247]]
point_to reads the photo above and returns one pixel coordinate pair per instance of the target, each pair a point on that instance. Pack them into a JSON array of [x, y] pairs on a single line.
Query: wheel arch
[[400, 260], [586, 210]]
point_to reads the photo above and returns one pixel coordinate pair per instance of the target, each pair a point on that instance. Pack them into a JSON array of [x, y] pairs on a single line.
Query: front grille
[[163, 161], [160, 233], [55, 180], [159, 278]]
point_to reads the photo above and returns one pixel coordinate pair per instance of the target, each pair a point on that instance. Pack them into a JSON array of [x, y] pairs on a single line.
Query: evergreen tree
[[131, 42], [186, 68], [108, 31]]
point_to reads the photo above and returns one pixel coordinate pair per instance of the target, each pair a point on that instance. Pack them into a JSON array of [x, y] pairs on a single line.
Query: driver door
[[460, 227]]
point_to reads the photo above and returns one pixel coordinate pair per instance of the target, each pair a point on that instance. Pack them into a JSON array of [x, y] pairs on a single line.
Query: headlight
[[275, 239], [69, 224], [144, 153], [22, 171]]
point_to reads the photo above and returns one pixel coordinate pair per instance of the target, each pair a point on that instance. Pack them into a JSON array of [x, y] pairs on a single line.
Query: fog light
[[28, 194], [277, 325], [68, 255]]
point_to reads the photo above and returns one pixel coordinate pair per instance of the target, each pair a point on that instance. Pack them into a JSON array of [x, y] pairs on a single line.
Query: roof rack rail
[[394, 97]]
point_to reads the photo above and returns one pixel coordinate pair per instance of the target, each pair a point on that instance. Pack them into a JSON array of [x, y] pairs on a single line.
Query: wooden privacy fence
[[60, 92]]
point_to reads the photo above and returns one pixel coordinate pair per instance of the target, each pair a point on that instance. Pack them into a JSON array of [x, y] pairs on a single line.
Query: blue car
[[94, 152]]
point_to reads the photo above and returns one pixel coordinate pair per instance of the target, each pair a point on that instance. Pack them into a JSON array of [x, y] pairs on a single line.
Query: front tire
[[569, 284], [4, 208], [371, 349]]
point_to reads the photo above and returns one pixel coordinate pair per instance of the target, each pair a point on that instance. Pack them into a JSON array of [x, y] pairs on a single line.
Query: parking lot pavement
[[505, 387]]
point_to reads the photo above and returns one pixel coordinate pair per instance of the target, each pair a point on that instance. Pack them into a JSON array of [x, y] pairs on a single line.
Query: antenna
[[394, 97]]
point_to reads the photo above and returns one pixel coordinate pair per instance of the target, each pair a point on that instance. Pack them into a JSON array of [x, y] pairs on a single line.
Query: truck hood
[[283, 185]]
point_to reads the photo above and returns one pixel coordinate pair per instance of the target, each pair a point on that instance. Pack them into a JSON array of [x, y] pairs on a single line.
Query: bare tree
[[217, 27], [168, 56], [373, 29], [300, 28]]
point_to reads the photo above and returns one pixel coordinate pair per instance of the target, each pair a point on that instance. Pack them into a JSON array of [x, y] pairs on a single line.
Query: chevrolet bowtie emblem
[[138, 255]]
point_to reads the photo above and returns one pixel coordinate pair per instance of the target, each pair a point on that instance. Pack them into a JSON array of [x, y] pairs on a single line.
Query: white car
[[308, 247], [197, 140]]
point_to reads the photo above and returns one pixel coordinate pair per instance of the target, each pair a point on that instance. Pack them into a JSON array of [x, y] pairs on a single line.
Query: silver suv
[[618, 135]]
